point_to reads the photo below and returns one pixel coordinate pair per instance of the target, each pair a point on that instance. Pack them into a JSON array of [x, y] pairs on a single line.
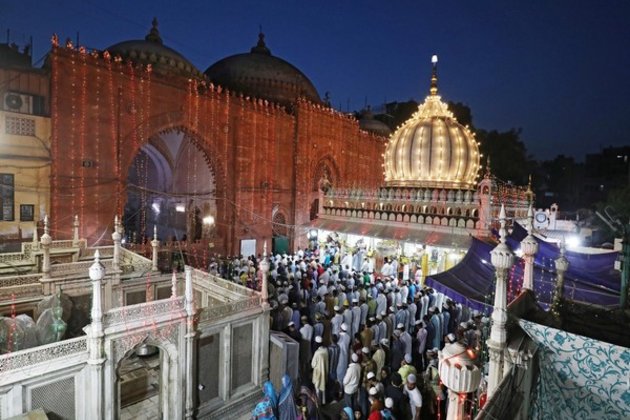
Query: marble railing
[[142, 311], [130, 262], [46, 353], [468, 222], [28, 248], [214, 312]]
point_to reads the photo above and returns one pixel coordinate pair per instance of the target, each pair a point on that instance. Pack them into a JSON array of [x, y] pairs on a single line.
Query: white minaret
[[264, 268], [116, 238], [502, 259], [75, 231], [155, 244], [97, 273], [94, 332], [45, 243], [529, 246]]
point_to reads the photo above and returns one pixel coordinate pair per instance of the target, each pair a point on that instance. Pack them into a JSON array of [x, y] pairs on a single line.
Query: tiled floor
[[144, 410]]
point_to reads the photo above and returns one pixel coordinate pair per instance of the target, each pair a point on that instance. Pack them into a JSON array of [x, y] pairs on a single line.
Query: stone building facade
[[263, 160]]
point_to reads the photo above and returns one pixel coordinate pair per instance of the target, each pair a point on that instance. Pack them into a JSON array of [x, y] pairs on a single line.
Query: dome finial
[[154, 34], [434, 86], [261, 47]]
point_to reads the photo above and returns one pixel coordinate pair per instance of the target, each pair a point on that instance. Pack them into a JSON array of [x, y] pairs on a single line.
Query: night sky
[[558, 70]]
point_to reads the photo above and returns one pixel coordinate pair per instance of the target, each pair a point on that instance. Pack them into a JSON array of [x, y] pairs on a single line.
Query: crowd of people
[[368, 339]]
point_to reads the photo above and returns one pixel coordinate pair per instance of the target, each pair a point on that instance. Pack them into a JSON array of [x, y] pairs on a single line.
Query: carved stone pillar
[[502, 259], [155, 244], [190, 342], [45, 243], [75, 231], [264, 268], [116, 238], [94, 331], [529, 246]]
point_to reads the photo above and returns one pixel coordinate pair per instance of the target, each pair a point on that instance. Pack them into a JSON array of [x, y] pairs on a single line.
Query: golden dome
[[431, 149]]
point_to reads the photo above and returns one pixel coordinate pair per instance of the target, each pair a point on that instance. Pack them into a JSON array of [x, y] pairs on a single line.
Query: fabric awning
[[441, 236]]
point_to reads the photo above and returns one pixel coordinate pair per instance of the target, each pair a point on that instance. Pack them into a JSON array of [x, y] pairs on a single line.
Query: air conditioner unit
[[18, 102]]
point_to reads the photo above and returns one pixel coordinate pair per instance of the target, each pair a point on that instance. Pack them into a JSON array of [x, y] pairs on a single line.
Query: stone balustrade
[[41, 354]]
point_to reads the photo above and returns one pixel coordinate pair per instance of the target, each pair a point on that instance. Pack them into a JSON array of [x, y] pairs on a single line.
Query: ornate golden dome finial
[[434, 87], [529, 193]]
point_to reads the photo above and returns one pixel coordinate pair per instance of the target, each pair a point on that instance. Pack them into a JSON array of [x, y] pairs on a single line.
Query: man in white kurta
[[320, 370], [344, 350]]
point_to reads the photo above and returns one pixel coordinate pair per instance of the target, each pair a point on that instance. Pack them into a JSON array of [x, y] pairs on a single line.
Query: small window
[[7, 192], [27, 212]]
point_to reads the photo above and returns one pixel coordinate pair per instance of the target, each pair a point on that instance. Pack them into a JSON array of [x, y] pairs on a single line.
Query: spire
[[434, 86], [261, 47], [154, 34], [529, 193], [488, 173]]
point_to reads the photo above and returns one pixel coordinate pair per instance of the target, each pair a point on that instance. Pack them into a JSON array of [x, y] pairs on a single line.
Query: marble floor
[[144, 410]]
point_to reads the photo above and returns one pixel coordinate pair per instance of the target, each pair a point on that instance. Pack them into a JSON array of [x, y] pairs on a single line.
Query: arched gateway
[[171, 185]]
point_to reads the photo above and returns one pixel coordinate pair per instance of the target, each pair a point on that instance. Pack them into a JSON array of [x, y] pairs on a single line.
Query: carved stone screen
[[56, 399], [208, 369], [241, 355]]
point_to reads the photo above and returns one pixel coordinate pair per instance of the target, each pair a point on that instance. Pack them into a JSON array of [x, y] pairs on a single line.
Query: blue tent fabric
[[590, 279]]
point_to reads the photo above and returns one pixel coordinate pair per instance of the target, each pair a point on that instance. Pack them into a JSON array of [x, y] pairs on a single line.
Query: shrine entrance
[[140, 383], [170, 185]]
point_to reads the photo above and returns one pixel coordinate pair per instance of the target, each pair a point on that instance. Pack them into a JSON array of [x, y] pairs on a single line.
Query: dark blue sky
[[557, 69]]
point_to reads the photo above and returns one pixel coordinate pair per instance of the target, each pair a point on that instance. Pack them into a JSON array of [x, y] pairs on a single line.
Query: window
[[19, 126], [27, 212], [7, 192]]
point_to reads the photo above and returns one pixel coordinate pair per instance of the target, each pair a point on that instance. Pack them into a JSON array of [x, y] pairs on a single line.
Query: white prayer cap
[[407, 358], [355, 358], [337, 308], [344, 327], [365, 350], [392, 309], [389, 403], [411, 379], [291, 324], [451, 338], [371, 375], [355, 300], [383, 313], [400, 326], [373, 391], [418, 322], [385, 341], [318, 339]]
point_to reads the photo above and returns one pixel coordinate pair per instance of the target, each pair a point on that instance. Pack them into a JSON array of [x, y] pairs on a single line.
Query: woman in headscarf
[[267, 408], [309, 404], [287, 410]]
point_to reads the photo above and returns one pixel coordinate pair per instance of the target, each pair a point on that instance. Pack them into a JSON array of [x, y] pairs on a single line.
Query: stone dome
[[261, 75], [431, 149], [151, 50], [370, 124]]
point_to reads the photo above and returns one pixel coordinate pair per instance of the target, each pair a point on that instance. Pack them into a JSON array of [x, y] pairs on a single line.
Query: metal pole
[[625, 269]]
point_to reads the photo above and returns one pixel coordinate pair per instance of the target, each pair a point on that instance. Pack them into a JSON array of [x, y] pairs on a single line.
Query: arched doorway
[[141, 378], [280, 239], [171, 186]]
